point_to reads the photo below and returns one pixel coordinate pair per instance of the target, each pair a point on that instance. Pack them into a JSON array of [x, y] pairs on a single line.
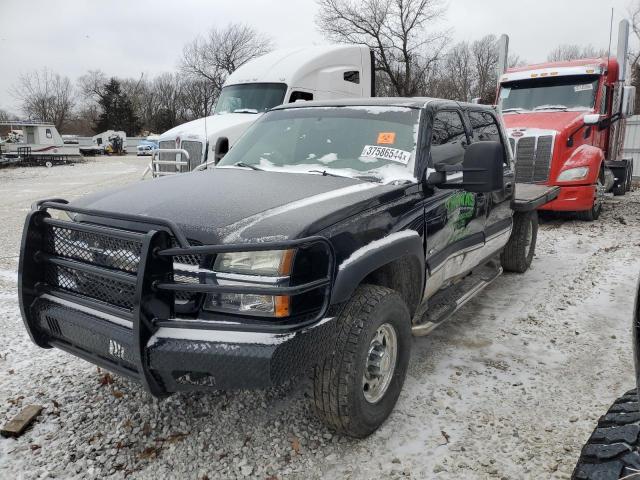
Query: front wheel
[[356, 388], [518, 253], [594, 212]]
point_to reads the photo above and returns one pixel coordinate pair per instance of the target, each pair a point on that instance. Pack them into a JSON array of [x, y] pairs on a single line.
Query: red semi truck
[[566, 125]]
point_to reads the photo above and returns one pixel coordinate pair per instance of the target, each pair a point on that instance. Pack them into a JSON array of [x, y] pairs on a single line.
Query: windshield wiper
[[245, 110], [327, 174], [247, 165], [551, 107], [513, 109]]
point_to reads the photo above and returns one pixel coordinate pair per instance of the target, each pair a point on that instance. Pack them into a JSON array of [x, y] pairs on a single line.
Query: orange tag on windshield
[[386, 138]]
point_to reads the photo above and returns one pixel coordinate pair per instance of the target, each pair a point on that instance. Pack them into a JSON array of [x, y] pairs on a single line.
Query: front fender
[[584, 156], [351, 272]]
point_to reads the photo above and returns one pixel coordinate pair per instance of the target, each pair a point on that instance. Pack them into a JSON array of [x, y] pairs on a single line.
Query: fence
[[632, 143]]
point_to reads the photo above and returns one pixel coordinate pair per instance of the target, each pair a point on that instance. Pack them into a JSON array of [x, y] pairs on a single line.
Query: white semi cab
[[281, 76]]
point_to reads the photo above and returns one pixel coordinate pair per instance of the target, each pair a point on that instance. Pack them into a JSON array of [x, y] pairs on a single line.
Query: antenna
[[610, 37]]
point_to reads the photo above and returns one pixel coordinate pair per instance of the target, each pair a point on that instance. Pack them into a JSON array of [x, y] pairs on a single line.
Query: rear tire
[[518, 253], [344, 395], [613, 449]]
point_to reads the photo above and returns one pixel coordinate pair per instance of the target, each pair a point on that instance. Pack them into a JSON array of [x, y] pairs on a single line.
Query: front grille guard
[[153, 283]]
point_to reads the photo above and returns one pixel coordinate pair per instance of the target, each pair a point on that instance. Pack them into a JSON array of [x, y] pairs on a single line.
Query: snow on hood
[[546, 120], [215, 125]]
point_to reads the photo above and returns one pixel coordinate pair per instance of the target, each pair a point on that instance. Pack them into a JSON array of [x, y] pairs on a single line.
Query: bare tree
[[4, 116], [198, 97], [214, 57], [45, 95], [401, 32], [568, 52]]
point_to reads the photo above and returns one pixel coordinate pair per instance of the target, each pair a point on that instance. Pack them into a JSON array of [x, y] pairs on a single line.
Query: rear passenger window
[[485, 127], [448, 139], [352, 76]]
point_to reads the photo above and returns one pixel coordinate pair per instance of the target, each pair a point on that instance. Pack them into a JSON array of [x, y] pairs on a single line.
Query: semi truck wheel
[[613, 450], [356, 388], [594, 213], [518, 253], [622, 187]]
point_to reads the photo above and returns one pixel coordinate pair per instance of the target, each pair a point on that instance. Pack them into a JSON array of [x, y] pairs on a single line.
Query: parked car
[[310, 246], [146, 147]]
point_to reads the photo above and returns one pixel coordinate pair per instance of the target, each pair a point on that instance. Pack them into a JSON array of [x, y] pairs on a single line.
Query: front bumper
[[572, 199], [116, 307], [182, 359]]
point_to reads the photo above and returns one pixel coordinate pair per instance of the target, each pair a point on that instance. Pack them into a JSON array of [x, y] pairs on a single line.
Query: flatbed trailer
[[529, 196]]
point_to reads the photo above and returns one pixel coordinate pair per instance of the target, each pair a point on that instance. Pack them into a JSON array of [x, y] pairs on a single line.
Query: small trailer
[[40, 144]]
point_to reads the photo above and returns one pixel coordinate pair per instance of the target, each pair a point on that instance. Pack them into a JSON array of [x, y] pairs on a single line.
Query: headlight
[[573, 174], [268, 263]]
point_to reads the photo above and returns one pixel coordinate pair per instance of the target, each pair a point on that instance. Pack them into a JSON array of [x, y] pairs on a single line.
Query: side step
[[448, 301]]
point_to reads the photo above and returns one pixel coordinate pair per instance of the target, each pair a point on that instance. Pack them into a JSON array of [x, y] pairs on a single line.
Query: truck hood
[[229, 205], [556, 121], [215, 125]]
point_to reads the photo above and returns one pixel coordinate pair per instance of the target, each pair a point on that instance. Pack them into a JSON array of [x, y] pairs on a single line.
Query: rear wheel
[[518, 253], [356, 388], [613, 449]]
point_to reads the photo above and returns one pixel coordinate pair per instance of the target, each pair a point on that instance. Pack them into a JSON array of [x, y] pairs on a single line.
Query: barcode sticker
[[386, 153]]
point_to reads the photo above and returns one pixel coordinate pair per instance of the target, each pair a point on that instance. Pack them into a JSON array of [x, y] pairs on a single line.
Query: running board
[[448, 301]]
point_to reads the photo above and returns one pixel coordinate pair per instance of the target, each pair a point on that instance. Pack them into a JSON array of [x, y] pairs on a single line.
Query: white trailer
[[281, 76], [40, 143]]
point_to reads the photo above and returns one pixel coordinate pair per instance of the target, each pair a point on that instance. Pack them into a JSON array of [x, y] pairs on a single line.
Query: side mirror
[[221, 149], [483, 169], [592, 119]]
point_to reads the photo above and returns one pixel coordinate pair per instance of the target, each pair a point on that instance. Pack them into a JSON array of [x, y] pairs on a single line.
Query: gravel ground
[[509, 388]]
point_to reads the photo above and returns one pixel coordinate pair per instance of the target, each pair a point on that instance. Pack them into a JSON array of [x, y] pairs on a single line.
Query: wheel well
[[403, 276]]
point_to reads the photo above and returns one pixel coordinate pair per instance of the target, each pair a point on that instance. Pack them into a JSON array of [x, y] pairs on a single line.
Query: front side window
[[485, 129], [375, 143], [448, 139], [552, 93], [250, 98]]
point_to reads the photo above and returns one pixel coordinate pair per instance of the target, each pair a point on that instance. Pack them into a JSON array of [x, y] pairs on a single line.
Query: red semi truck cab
[[566, 123]]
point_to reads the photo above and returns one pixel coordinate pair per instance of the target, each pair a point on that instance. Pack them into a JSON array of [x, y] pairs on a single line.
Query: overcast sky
[[128, 38]]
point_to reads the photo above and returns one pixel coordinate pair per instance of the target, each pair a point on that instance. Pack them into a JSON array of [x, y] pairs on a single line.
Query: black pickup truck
[[327, 236]]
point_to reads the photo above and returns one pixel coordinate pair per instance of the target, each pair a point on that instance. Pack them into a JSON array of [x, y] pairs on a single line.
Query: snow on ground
[[509, 388]]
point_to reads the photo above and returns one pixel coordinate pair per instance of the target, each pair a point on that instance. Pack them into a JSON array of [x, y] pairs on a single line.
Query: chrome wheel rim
[[380, 363]]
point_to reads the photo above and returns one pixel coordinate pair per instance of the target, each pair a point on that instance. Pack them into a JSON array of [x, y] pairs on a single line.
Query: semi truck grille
[[167, 156], [195, 152], [533, 158]]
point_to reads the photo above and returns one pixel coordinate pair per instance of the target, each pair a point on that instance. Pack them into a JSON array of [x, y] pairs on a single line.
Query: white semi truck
[[281, 76]]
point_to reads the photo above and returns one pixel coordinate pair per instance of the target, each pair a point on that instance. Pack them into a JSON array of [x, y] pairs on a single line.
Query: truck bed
[[531, 196]]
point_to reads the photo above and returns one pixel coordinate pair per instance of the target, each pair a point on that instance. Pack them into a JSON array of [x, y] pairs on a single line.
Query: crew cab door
[[454, 218], [497, 229]]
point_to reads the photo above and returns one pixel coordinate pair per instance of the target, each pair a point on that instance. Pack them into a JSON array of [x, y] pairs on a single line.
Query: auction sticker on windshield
[[386, 153]]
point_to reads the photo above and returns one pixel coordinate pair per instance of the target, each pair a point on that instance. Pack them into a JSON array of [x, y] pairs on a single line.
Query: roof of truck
[[581, 62], [411, 102], [290, 65]]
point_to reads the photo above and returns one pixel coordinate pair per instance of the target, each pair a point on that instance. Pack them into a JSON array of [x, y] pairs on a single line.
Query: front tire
[[356, 388], [613, 449], [518, 253]]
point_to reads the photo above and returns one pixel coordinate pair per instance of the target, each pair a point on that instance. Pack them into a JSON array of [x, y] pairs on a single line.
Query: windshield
[[250, 98], [558, 93], [375, 143]]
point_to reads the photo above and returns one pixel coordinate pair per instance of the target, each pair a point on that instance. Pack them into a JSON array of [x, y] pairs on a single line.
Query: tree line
[[414, 57]]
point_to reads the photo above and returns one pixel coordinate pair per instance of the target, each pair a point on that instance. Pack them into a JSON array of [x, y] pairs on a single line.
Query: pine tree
[[117, 110]]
